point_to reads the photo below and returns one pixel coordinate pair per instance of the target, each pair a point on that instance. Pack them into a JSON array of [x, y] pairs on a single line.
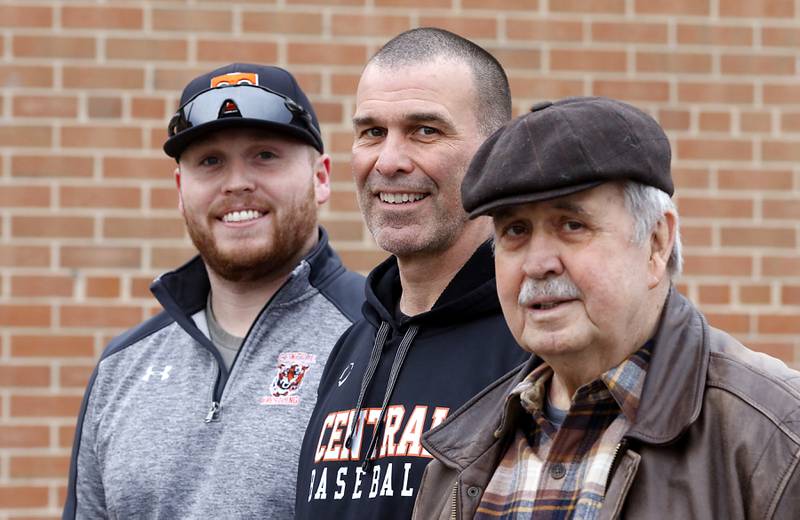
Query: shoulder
[[136, 334], [345, 290]]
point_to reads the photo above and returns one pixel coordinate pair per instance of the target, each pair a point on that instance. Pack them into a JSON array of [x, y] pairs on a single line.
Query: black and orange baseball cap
[[242, 94]]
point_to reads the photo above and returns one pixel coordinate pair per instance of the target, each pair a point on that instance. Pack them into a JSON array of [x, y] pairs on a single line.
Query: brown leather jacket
[[717, 435]]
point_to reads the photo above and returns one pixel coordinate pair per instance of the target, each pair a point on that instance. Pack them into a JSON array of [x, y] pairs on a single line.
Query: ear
[[178, 185], [322, 178], [662, 240]]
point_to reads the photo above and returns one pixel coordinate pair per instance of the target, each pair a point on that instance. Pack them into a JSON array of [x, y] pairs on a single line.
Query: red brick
[[39, 467], [760, 9], [327, 53], [24, 196], [28, 136], [45, 106], [541, 87], [56, 346], [674, 119], [103, 287], [714, 294], [763, 237], [721, 149], [755, 121], [755, 294], [679, 7], [330, 112], [286, 22], [143, 227], [790, 295], [715, 208], [101, 137], [139, 168], [629, 32], [42, 285], [632, 90], [338, 229], [730, 323], [429, 4], [148, 108], [504, 5], [780, 37], [53, 47], [96, 196], [101, 17], [781, 209], [192, 20], [24, 436], [99, 316], [45, 405], [672, 62], [757, 65], [18, 16], [57, 227], [696, 236], [588, 6], [544, 30], [781, 94], [99, 77], [140, 287], [29, 495], [344, 84], [691, 177], [74, 376], [167, 198], [780, 150], [526, 59], [690, 92], [51, 166], [779, 324], [100, 256], [24, 315], [174, 78], [695, 34], [29, 256], [232, 50], [17, 75], [325, 2], [790, 121], [24, 376], [718, 265], [105, 107], [744, 179], [344, 201], [171, 257], [783, 351], [588, 60], [66, 436], [780, 266], [147, 49], [472, 28], [715, 121]]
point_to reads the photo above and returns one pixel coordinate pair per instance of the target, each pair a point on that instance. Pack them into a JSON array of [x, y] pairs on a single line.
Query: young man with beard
[[198, 412], [424, 104]]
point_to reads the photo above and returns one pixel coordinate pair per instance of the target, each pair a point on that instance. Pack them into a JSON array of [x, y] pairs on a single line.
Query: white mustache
[[561, 288]]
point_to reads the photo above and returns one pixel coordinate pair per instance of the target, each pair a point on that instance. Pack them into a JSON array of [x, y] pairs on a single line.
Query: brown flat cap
[[565, 147]]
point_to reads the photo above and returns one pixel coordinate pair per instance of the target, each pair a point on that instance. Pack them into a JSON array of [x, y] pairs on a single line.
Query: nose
[[542, 258], [238, 178], [393, 157]]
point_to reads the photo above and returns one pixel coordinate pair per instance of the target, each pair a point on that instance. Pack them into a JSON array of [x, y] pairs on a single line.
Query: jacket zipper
[[453, 502], [615, 462]]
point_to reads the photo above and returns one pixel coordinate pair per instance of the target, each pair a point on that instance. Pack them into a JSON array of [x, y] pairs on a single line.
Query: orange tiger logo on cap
[[235, 78]]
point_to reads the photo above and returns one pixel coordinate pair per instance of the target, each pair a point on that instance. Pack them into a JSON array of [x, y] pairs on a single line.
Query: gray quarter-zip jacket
[[166, 432]]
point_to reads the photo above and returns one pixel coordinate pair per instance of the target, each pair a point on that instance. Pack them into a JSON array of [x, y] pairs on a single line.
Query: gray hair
[[492, 107], [647, 205]]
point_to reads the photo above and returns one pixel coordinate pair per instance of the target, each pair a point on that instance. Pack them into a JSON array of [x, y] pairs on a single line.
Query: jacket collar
[[671, 398]]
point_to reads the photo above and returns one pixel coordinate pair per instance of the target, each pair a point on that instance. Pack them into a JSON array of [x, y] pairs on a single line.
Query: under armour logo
[[345, 374], [163, 373]]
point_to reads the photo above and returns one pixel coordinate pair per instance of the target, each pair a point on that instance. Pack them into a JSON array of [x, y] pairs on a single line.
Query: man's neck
[[424, 277]]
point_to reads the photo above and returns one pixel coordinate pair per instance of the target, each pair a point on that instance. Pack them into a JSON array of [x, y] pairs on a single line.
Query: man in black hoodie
[[425, 102]]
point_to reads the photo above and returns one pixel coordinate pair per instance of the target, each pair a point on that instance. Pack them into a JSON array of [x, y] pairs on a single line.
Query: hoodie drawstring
[[374, 358]]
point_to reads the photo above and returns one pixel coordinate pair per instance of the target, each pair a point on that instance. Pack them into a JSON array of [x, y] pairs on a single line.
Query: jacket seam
[[781, 488]]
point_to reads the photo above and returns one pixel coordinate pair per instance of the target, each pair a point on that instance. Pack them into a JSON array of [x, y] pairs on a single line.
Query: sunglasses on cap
[[245, 101]]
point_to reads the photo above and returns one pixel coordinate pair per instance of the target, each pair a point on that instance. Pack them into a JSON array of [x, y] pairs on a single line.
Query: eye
[[374, 132], [573, 225], [427, 131], [210, 160], [265, 155]]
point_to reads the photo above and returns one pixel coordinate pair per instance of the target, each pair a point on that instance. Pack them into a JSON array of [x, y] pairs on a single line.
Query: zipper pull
[[213, 412]]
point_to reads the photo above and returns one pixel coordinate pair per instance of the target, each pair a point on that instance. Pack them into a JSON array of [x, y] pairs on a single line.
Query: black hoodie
[[405, 374]]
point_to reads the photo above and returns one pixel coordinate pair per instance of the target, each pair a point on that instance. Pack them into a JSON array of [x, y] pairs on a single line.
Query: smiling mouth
[[242, 216], [400, 198]]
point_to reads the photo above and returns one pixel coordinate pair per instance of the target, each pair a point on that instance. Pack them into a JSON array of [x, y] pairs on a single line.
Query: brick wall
[[88, 208]]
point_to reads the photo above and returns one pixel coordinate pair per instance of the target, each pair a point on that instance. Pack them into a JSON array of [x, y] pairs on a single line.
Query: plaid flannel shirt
[[549, 473]]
